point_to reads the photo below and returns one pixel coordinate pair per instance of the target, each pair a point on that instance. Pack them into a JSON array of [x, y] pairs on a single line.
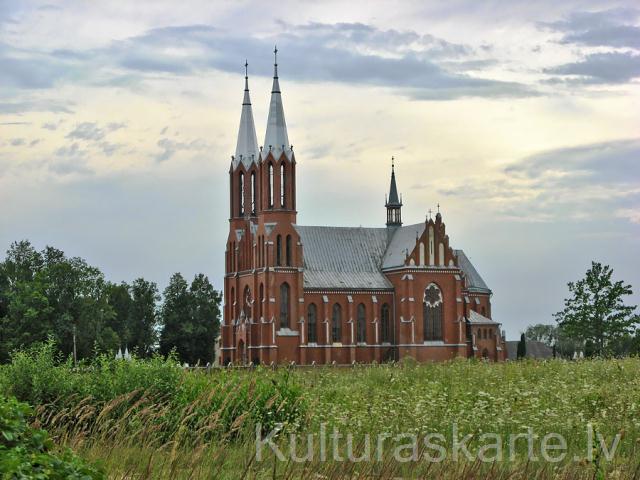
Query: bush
[[27, 452]]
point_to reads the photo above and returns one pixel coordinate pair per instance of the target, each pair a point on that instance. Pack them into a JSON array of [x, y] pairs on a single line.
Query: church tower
[[393, 204], [278, 162]]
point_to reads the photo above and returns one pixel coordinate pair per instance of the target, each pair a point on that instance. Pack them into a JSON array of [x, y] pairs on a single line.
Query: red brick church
[[323, 294]]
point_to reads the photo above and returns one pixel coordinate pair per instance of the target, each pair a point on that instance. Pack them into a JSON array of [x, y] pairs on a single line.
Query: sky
[[520, 119]]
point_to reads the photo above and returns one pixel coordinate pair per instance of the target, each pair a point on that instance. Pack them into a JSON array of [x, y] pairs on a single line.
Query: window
[[270, 185], [312, 322], [385, 324], [278, 250], [253, 193], [241, 193], [484, 312], [261, 302], [336, 324], [362, 324], [283, 185], [284, 305], [432, 313], [246, 302], [288, 256]]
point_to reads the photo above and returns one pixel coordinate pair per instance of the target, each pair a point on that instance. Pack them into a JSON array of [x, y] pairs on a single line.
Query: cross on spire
[[438, 207], [430, 212], [246, 69]]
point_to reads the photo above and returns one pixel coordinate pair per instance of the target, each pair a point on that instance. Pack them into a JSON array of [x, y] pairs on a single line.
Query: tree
[[596, 312], [48, 294], [176, 325], [190, 319], [546, 334], [143, 316], [119, 299], [205, 315], [522, 347]]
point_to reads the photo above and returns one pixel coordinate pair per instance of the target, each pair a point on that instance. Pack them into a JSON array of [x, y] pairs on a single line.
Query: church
[[324, 295]]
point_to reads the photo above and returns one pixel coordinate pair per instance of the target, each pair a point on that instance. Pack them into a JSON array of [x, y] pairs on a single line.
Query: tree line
[[46, 294], [595, 319]]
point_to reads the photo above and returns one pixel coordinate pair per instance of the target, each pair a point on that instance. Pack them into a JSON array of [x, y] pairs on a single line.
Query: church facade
[[323, 295]]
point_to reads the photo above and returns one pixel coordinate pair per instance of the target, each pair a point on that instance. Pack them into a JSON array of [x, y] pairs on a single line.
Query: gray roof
[[247, 145], [343, 257], [478, 319], [475, 283], [354, 257], [276, 136], [403, 238], [535, 349]]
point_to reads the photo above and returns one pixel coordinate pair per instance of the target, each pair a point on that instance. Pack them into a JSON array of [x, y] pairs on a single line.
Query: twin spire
[[276, 139], [247, 145]]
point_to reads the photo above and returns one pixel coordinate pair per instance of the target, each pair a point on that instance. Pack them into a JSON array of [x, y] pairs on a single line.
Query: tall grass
[[151, 419]]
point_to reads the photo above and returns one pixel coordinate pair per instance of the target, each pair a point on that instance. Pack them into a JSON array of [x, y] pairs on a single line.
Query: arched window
[[261, 302], [432, 313], [312, 324], [362, 324], [484, 312], [284, 305], [385, 323], [270, 185], [254, 195], [246, 302], [336, 323], [279, 250], [241, 193], [288, 248], [283, 185]]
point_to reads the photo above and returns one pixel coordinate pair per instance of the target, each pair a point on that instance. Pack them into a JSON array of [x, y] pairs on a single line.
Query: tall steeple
[[393, 203], [247, 145], [276, 138]]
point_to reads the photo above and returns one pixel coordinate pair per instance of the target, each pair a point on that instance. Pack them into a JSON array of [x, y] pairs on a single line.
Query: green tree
[[45, 293], [143, 316], [176, 325], [522, 347], [205, 315], [547, 334], [190, 319], [596, 312], [119, 298]]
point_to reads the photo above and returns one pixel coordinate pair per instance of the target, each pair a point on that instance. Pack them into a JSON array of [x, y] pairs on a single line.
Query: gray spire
[[393, 190], [247, 145], [276, 138], [393, 203]]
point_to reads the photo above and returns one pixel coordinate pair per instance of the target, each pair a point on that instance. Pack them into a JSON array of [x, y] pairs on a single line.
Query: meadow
[[152, 419]]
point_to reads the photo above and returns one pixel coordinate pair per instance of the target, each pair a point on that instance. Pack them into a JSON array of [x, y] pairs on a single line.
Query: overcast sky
[[521, 119]]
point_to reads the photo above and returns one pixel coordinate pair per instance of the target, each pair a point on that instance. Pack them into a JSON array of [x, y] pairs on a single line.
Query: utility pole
[[75, 354]]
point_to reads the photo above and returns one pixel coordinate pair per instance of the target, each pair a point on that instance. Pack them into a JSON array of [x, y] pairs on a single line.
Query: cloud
[[419, 66], [92, 132], [605, 28], [600, 68], [630, 214], [17, 142], [35, 105], [575, 183], [171, 147]]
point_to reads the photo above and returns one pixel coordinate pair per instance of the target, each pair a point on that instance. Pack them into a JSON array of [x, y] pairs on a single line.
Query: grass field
[[150, 419]]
